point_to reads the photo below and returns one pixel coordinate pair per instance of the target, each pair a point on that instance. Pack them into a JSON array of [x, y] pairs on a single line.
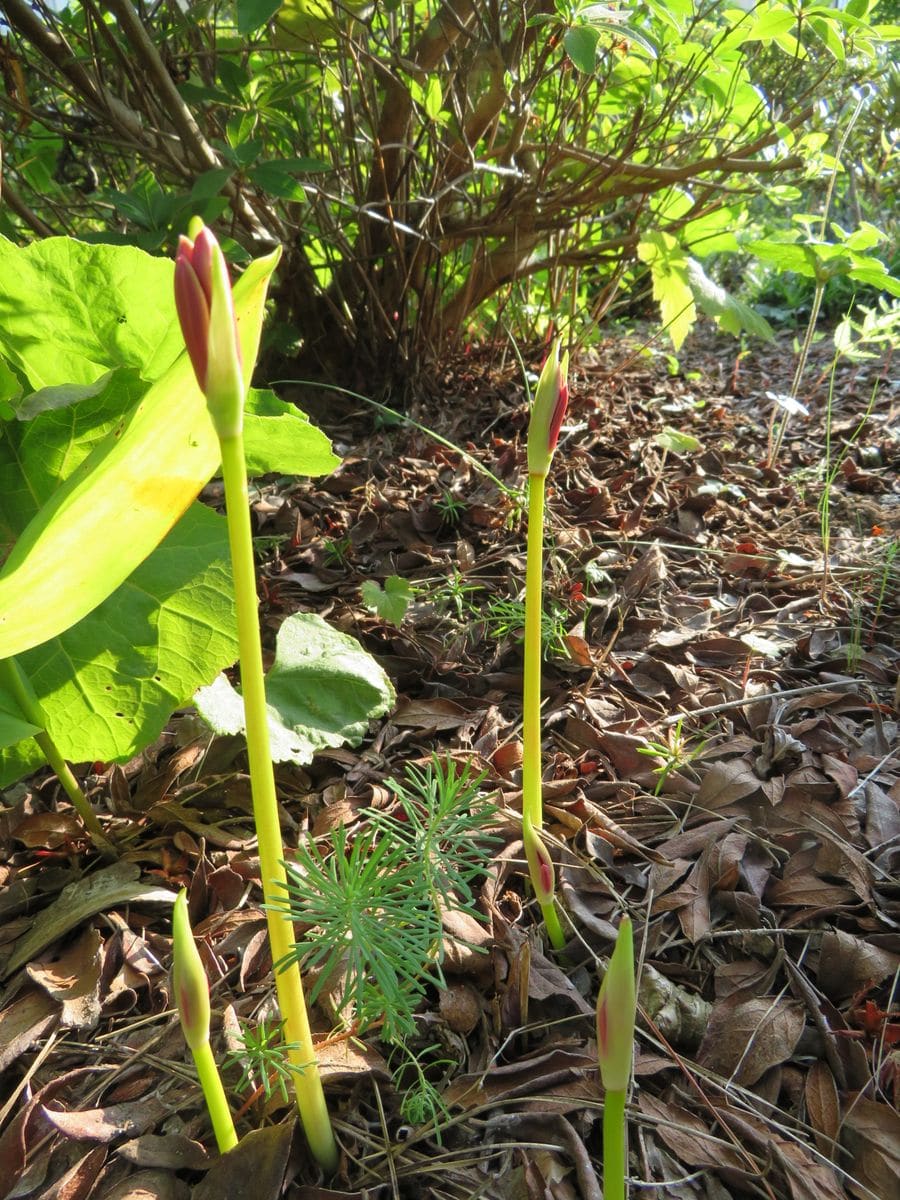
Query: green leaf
[[13, 726], [730, 314], [72, 311], [126, 495], [676, 442], [279, 437], [389, 603], [580, 44], [108, 685], [322, 690], [56, 430], [433, 98], [671, 287]]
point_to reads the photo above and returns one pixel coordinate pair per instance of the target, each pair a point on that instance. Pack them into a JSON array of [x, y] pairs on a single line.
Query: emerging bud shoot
[[540, 864], [548, 410], [616, 1009], [189, 978]]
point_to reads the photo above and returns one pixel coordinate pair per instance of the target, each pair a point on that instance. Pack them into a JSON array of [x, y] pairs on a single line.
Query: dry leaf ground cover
[[721, 760]]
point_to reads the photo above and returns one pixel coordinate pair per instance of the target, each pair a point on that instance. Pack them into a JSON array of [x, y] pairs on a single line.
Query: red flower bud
[[548, 411], [206, 311], [540, 864]]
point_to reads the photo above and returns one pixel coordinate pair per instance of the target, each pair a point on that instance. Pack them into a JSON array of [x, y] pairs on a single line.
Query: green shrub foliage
[[431, 168]]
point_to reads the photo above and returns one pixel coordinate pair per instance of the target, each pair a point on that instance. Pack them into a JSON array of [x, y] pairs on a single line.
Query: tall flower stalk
[[206, 311], [616, 1008], [548, 410]]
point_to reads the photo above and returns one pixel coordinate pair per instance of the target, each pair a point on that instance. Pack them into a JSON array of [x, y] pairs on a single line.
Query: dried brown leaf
[[747, 1037], [848, 963], [110, 1123], [254, 1170], [823, 1106], [871, 1132], [73, 979], [77, 1182], [25, 1022]]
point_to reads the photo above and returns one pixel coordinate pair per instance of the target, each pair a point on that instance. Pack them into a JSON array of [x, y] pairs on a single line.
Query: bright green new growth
[[547, 414], [192, 997], [616, 1009], [298, 1035], [373, 902]]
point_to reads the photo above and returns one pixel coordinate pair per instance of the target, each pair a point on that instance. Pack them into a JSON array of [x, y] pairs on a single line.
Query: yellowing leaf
[[123, 499]]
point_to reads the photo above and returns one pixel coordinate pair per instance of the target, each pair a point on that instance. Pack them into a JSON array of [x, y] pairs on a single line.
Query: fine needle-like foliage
[[203, 299], [373, 901], [548, 410]]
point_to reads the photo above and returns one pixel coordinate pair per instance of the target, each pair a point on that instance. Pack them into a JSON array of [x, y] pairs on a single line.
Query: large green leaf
[[322, 690], [108, 685], [38, 453], [279, 437], [123, 498], [70, 311]]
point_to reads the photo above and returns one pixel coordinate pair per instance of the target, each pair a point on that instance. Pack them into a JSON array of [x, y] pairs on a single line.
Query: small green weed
[[676, 753], [374, 900], [453, 595], [505, 618], [451, 509], [337, 551], [263, 1060]]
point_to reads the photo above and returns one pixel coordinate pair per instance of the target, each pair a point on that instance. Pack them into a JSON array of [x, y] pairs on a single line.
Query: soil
[[721, 703]]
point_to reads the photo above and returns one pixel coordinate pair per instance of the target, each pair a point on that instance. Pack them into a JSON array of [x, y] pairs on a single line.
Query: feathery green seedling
[[616, 1008], [547, 414], [373, 902], [192, 997], [206, 311]]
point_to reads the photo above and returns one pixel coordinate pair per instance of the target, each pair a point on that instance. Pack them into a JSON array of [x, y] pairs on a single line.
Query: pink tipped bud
[[206, 311], [616, 1008], [548, 411], [188, 977], [540, 864]]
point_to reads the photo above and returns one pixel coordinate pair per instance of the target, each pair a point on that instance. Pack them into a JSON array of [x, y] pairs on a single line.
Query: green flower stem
[[614, 1146], [532, 798], [297, 1034], [15, 679], [214, 1095]]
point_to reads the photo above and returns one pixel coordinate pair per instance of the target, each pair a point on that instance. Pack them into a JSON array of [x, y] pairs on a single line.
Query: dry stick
[[801, 691]]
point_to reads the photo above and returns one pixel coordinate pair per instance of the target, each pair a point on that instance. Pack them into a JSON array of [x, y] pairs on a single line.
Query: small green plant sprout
[[263, 1059], [337, 552], [548, 410], [206, 312], [506, 618], [192, 998], [616, 1011], [373, 902], [675, 752], [389, 602], [451, 508]]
